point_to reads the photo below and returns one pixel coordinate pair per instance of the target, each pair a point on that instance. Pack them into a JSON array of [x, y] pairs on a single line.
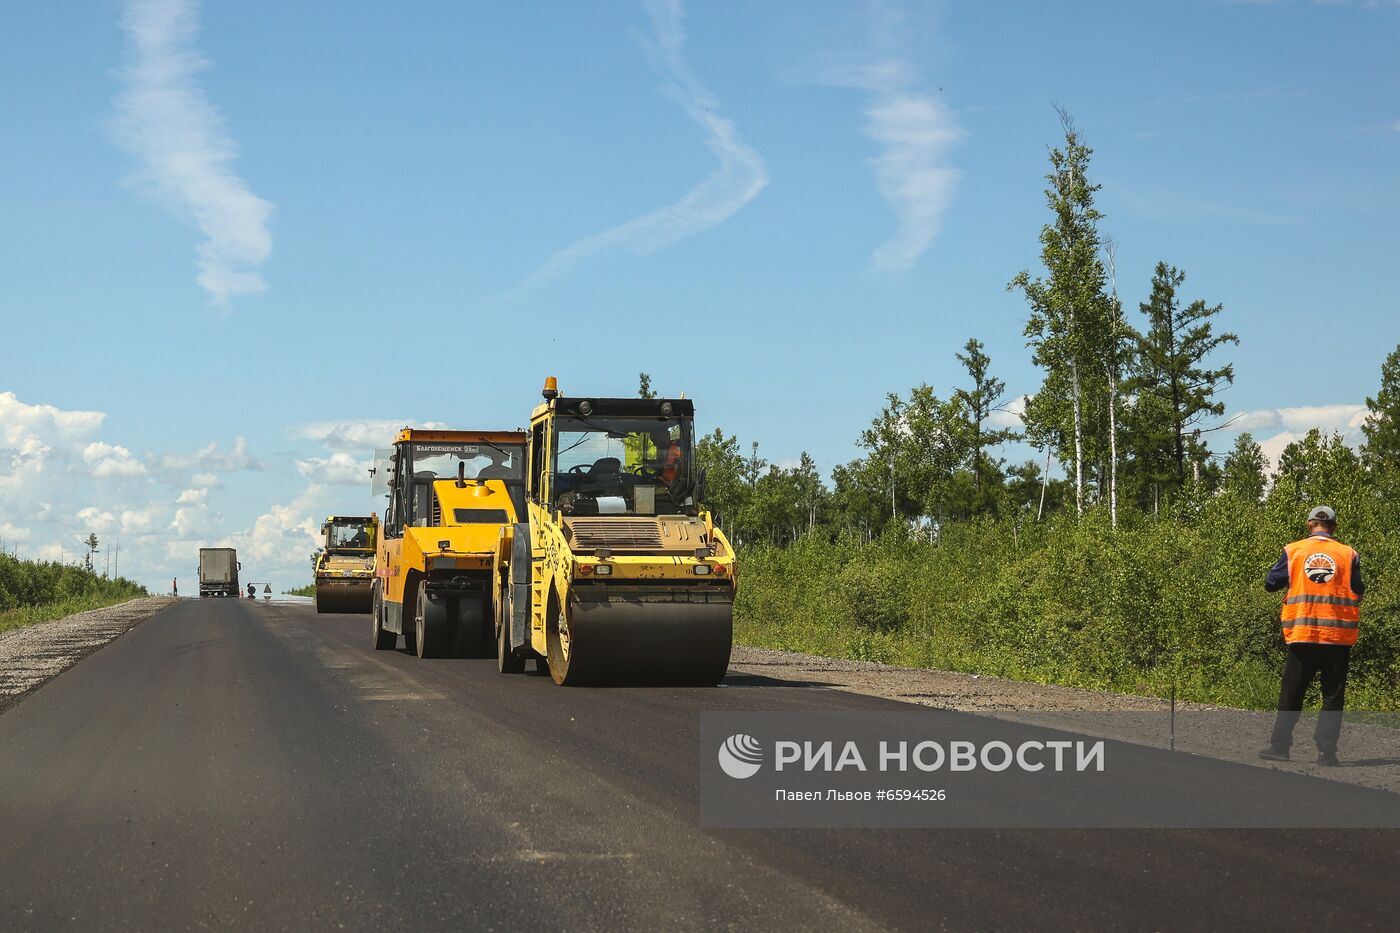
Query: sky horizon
[[248, 243]]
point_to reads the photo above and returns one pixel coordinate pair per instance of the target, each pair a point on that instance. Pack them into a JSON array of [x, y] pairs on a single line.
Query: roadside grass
[[29, 615], [1153, 605]]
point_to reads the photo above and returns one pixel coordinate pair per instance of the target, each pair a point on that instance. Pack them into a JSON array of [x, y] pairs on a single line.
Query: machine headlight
[[702, 570], [603, 570]]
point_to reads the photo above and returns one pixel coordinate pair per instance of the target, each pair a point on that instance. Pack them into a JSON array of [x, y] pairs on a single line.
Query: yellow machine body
[[344, 572], [617, 575]]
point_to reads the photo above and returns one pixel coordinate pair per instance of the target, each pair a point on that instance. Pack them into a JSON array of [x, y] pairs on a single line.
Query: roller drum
[[626, 641], [356, 597]]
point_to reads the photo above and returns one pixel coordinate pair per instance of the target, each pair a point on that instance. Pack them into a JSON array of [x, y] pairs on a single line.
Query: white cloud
[[96, 519], [1010, 414], [356, 436], [282, 538], [339, 468], [141, 521], [914, 172], [741, 175], [1344, 419], [165, 118], [106, 460], [46, 420], [206, 481], [193, 521], [1339, 417], [9, 533], [193, 497], [211, 459]]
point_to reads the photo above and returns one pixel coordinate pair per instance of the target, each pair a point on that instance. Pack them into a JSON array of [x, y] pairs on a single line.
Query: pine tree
[[1246, 470], [1382, 448], [644, 388], [983, 398], [1173, 387]]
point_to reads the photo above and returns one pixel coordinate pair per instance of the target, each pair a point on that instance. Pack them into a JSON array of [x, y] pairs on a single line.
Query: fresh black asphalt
[[255, 766]]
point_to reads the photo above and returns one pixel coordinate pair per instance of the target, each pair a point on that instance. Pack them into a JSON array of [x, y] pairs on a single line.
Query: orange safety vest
[[1320, 606], [673, 458]]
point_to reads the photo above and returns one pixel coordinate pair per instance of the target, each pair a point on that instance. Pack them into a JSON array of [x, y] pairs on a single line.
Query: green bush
[[34, 590], [1175, 598]]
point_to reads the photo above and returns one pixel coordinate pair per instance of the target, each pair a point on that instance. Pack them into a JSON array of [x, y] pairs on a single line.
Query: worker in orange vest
[[1321, 619]]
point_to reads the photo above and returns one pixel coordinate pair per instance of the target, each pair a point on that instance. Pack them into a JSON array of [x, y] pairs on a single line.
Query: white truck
[[218, 572]]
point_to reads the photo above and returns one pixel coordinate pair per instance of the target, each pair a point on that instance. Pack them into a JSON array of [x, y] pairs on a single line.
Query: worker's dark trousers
[[1305, 661]]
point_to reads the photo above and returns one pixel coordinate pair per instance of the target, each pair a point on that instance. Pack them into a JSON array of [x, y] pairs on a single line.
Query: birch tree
[[1067, 328]]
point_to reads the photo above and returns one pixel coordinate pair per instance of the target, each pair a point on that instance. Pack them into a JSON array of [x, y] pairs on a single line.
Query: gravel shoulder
[[1370, 752], [32, 655]]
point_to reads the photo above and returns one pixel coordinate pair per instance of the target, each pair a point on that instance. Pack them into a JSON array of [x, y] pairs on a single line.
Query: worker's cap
[[1323, 513]]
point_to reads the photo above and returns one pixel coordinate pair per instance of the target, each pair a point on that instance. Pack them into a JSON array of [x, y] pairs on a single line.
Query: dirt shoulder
[[31, 655], [1370, 752]]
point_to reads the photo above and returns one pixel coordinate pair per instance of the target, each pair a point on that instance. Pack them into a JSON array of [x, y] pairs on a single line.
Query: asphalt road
[[257, 766]]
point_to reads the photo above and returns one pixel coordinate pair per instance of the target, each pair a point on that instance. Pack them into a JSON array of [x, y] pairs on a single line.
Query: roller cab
[[617, 575], [450, 494]]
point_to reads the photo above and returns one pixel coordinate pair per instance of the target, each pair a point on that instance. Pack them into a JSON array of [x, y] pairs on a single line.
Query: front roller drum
[[639, 642], [354, 597]]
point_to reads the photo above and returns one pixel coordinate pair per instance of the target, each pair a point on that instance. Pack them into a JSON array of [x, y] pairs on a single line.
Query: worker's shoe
[[1274, 754], [1327, 759]]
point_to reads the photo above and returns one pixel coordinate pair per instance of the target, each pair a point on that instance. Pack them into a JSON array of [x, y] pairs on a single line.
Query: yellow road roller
[[616, 574], [344, 571], [450, 494]]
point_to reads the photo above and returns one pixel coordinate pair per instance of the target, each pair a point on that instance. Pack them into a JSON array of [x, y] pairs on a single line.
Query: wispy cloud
[[916, 130], [741, 175], [165, 118]]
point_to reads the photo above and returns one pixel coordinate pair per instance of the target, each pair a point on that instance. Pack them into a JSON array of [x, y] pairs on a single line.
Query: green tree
[[812, 493], [1173, 388], [644, 387], [1246, 469], [1318, 469], [91, 545], [980, 400], [1382, 429], [1069, 323], [725, 491]]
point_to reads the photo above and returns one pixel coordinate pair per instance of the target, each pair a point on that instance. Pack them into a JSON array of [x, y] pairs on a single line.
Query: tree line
[[1127, 406]]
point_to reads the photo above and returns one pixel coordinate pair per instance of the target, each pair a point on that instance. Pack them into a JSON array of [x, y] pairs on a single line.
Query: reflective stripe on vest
[[1320, 606], [1322, 600], [1320, 623]]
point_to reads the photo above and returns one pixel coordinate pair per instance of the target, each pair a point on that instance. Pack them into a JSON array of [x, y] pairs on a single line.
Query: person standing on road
[[174, 586], [1321, 620]]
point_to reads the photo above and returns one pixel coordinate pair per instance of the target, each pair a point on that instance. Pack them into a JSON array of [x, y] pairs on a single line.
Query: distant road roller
[[450, 494], [344, 573], [616, 574]]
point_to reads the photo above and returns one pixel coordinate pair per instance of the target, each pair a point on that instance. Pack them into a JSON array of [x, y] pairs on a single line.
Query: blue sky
[[245, 240]]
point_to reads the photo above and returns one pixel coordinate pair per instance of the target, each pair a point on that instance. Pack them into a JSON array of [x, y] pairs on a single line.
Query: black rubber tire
[[556, 626], [432, 623], [507, 661], [383, 640], [472, 630]]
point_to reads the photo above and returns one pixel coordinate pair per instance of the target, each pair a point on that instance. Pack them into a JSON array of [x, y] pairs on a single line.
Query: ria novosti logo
[[740, 756]]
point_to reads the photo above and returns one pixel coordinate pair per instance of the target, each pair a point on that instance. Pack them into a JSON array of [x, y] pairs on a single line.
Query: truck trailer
[[218, 571]]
